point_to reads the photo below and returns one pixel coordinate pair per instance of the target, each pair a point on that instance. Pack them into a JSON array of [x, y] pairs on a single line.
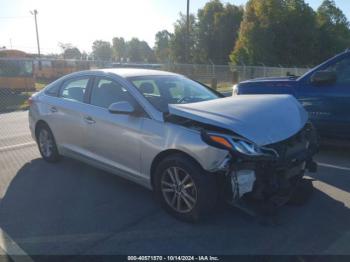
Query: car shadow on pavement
[[72, 208], [340, 179], [70, 200], [334, 168]]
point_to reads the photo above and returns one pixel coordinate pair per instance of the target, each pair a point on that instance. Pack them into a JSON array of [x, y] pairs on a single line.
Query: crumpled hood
[[263, 119]]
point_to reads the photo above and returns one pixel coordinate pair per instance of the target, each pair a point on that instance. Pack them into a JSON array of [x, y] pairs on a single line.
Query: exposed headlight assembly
[[236, 145]]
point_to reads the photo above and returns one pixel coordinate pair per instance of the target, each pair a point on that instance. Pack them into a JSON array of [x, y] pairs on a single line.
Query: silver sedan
[[175, 136]]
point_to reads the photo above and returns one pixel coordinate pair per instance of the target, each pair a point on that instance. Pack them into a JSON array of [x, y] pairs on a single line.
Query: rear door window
[[75, 89], [53, 88]]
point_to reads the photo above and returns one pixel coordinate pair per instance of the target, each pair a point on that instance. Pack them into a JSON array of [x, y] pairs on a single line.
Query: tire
[[47, 144], [302, 192], [203, 192]]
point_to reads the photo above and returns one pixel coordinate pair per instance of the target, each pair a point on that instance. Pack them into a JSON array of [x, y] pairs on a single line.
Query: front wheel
[[302, 192], [47, 145], [184, 189]]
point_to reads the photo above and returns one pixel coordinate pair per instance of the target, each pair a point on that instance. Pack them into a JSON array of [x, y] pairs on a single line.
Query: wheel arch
[[164, 154]]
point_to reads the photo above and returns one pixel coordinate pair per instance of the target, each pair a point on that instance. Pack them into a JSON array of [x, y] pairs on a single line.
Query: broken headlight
[[236, 145], [246, 148]]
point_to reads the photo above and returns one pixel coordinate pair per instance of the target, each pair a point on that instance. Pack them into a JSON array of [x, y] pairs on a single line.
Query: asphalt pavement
[[73, 208]]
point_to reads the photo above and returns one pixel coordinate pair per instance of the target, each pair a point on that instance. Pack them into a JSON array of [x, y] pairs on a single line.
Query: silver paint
[[127, 145], [262, 119]]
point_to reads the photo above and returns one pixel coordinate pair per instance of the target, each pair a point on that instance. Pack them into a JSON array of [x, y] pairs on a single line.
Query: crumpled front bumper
[[269, 181]]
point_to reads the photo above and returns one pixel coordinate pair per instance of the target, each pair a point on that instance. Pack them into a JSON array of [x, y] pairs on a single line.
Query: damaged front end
[[270, 140], [261, 179]]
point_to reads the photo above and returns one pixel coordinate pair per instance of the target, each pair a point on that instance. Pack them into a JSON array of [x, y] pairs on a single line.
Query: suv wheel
[[47, 145], [184, 189]]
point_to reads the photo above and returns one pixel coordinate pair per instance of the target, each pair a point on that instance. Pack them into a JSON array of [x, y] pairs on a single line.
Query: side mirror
[[323, 78], [123, 107]]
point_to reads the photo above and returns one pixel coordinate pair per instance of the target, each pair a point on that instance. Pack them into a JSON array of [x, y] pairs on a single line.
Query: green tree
[[69, 51], [64, 46], [296, 46], [102, 50], [119, 48], [290, 32], [72, 53], [218, 27], [180, 45], [277, 32], [162, 46], [139, 51], [334, 33], [261, 26], [84, 55]]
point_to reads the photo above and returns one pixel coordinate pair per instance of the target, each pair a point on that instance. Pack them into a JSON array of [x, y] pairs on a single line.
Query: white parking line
[[18, 134], [12, 249], [334, 166], [6, 148]]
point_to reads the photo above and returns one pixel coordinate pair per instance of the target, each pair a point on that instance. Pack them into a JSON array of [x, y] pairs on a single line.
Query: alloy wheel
[[179, 189], [46, 143]]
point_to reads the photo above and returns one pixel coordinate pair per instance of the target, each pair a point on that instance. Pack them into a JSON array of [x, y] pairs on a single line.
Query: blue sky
[[81, 22]]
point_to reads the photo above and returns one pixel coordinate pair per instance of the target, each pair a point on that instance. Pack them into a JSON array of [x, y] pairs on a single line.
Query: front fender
[[161, 136]]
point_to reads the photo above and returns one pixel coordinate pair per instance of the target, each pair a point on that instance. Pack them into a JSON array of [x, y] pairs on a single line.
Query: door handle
[[89, 120], [53, 109]]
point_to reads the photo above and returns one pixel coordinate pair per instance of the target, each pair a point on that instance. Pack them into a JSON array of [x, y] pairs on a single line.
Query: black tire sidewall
[[55, 156], [205, 184], [302, 192]]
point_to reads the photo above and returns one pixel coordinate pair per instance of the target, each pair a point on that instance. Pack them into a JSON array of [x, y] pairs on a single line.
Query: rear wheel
[[184, 189], [47, 145]]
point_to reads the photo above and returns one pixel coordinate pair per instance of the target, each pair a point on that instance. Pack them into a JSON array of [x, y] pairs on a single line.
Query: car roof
[[133, 72]]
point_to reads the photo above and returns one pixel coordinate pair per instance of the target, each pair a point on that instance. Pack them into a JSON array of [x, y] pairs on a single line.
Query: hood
[[262, 119], [272, 79]]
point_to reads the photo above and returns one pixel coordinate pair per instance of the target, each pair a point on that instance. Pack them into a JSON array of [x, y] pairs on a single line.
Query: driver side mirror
[[323, 78], [122, 107]]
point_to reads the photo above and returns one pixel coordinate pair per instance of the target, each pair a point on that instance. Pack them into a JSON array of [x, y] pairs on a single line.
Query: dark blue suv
[[323, 91]]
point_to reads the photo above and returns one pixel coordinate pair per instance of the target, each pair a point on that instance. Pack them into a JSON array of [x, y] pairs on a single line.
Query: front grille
[[295, 144]]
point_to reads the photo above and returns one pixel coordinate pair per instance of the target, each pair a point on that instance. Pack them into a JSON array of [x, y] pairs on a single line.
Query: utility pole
[[35, 12], [188, 32]]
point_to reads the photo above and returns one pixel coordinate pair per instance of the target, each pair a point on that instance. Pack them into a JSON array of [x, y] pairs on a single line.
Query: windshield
[[161, 91]]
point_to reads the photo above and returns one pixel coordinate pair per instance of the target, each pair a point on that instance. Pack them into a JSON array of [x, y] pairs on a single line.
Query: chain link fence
[[251, 72], [19, 77]]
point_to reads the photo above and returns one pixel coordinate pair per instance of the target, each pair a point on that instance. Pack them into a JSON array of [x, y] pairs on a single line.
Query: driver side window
[[106, 92], [342, 70]]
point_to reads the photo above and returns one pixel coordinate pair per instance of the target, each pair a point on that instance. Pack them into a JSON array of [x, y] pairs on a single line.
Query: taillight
[[30, 101]]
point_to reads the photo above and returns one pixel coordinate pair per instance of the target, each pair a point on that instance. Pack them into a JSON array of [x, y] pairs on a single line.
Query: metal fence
[[216, 76], [251, 72], [223, 77], [20, 78]]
